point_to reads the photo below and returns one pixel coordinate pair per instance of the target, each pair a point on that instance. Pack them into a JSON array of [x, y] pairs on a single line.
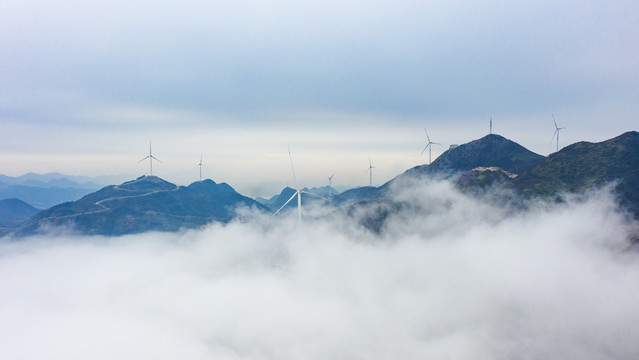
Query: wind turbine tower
[[430, 147], [370, 171], [200, 165], [151, 158], [298, 193], [330, 184], [491, 126], [557, 128]]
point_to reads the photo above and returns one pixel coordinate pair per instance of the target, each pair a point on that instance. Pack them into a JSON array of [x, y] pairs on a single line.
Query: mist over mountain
[[448, 275], [504, 172], [462, 264]]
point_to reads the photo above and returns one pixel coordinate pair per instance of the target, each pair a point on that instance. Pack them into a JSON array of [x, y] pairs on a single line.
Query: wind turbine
[[298, 193], [370, 170], [151, 158], [491, 126], [200, 165], [330, 184], [557, 128], [429, 146]]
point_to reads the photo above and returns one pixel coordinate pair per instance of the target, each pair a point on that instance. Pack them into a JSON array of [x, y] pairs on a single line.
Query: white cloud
[[455, 279]]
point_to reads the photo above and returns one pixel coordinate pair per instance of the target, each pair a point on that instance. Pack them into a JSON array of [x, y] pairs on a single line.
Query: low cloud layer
[[453, 278]]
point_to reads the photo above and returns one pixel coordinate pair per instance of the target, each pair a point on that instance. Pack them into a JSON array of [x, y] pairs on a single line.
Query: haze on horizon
[[84, 86]]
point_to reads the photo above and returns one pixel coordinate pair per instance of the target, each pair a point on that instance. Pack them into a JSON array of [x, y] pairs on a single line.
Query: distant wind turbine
[[370, 170], [151, 158], [491, 126], [429, 147], [200, 165], [330, 184], [298, 193], [557, 128]]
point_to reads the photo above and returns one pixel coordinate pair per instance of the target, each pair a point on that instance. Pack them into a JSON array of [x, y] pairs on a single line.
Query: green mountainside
[[582, 165], [145, 204]]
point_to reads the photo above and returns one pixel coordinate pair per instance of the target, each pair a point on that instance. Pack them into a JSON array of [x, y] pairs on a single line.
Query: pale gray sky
[[85, 85]]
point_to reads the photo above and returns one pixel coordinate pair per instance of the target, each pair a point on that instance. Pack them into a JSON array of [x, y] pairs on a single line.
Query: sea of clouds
[[447, 277]]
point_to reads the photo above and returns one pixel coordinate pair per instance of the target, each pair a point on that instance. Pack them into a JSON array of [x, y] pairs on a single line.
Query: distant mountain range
[[14, 212], [46, 190], [61, 180], [150, 203], [277, 201]]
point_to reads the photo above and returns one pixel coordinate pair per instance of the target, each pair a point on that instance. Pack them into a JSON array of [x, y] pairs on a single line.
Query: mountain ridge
[[147, 203], [151, 203]]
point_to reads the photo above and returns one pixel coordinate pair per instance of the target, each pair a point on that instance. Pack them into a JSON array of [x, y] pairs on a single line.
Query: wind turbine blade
[[428, 137], [331, 177], [434, 143], [154, 158], [286, 203], [292, 168], [317, 196], [425, 149], [143, 159]]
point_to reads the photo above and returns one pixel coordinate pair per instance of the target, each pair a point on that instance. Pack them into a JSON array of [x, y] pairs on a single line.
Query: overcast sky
[[86, 85]]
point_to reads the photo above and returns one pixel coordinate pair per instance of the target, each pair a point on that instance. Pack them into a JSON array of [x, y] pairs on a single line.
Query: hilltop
[[490, 151]]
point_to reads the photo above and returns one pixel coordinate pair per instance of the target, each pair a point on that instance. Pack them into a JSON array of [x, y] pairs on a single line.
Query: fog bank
[[452, 278]]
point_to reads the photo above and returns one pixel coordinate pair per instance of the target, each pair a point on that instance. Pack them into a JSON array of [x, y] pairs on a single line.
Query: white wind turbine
[[151, 158], [200, 165], [370, 170], [330, 184], [557, 128], [429, 147], [298, 193]]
